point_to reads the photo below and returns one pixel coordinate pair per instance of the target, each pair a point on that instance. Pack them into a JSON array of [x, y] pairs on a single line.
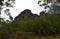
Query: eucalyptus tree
[[45, 3], [53, 5], [5, 6]]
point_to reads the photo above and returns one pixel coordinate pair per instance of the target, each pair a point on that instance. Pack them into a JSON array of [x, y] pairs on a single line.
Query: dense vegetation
[[46, 24]]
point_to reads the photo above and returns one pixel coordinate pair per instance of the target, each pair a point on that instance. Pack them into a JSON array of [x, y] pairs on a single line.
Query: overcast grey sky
[[21, 5]]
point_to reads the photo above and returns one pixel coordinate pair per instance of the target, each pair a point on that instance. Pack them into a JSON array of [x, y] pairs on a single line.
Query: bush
[[46, 24]]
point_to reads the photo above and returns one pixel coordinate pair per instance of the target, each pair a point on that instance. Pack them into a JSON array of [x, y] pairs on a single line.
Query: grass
[[27, 35], [46, 37]]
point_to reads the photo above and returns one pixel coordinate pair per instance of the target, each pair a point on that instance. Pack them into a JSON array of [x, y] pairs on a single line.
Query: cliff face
[[25, 13]]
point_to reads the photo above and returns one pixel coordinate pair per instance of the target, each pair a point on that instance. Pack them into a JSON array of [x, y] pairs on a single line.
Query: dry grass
[[30, 35], [46, 37]]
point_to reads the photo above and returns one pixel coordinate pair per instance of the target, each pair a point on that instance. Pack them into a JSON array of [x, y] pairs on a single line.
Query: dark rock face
[[25, 13]]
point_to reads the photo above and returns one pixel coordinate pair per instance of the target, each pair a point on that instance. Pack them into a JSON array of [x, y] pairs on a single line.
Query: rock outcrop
[[26, 13]]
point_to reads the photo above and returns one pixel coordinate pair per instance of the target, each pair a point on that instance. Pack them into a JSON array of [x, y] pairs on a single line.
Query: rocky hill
[[26, 13]]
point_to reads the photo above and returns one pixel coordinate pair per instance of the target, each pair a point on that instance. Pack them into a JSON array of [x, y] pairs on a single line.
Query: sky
[[21, 5]]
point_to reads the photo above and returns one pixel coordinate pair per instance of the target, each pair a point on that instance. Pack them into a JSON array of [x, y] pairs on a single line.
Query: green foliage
[[46, 24]]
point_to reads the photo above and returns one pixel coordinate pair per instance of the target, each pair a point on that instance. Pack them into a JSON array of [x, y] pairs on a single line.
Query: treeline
[[46, 24]]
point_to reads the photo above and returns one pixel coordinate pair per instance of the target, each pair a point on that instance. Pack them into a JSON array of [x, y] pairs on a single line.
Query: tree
[[5, 6], [50, 4], [44, 2]]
